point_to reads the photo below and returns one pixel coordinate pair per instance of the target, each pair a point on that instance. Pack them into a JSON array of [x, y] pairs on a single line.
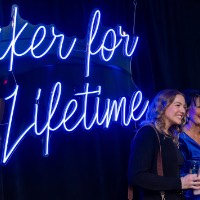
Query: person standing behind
[[165, 113], [189, 139]]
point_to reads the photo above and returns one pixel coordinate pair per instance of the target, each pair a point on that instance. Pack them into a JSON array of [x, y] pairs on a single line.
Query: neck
[[166, 131]]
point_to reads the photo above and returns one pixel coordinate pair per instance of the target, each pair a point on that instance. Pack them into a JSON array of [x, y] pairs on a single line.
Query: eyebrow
[[175, 102]]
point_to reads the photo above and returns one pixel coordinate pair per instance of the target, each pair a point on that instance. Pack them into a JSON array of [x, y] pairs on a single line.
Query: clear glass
[[197, 192], [194, 168]]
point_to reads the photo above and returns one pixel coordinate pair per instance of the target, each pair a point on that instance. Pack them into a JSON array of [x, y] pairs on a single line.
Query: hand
[[190, 181]]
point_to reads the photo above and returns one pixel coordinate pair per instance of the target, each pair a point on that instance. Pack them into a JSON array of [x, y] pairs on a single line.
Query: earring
[[187, 119]]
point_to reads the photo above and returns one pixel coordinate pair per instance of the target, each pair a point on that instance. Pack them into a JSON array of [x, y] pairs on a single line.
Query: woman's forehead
[[179, 98]]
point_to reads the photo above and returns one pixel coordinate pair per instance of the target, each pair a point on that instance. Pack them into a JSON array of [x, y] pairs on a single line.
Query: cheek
[[198, 112], [169, 112], [197, 115]]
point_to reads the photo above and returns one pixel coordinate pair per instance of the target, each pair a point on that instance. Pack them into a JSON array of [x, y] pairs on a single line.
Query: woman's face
[[194, 112], [175, 112]]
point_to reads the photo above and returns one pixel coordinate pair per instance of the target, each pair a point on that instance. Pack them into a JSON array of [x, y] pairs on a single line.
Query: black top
[[142, 169]]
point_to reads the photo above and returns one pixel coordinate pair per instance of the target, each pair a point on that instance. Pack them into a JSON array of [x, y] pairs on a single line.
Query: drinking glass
[[194, 168]]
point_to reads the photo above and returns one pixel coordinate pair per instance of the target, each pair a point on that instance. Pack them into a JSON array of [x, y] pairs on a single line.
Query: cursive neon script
[[112, 110], [74, 113], [110, 41]]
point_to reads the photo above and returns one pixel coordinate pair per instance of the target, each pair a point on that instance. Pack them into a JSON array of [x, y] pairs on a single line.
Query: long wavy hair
[[157, 108]]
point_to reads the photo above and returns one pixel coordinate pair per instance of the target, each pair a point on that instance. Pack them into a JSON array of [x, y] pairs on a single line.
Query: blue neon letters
[[113, 110]]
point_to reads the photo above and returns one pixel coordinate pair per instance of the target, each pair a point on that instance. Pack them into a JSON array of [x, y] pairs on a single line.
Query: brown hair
[[156, 110]]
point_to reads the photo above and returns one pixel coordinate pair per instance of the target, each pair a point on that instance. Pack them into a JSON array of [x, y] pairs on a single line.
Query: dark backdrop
[[92, 165]]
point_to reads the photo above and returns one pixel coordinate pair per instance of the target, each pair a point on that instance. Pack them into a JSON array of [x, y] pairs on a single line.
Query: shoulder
[[145, 137], [183, 137], [184, 140], [146, 131]]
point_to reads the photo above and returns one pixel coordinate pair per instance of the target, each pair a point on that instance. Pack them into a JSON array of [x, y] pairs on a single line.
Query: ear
[[2, 107]]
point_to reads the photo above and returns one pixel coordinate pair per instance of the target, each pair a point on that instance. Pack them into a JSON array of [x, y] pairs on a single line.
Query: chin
[[178, 123]]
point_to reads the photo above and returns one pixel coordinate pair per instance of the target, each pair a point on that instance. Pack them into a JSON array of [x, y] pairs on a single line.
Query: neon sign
[[36, 44], [113, 110]]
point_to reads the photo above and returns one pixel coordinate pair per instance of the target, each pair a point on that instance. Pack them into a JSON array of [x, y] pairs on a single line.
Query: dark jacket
[[142, 169]]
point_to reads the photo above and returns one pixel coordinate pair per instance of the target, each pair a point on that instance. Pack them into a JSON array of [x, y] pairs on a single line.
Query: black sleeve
[[143, 154]]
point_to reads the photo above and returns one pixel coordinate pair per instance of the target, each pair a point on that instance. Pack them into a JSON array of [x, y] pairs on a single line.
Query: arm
[[142, 160]]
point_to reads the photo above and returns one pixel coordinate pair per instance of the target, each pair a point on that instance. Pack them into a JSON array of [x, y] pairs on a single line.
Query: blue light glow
[[109, 42], [74, 113], [114, 43], [111, 112]]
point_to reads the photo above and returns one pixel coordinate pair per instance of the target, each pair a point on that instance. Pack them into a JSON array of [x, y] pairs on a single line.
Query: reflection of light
[[5, 81]]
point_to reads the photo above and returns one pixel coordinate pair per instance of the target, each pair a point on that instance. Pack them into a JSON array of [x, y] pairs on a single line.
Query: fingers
[[190, 181], [196, 187], [195, 182]]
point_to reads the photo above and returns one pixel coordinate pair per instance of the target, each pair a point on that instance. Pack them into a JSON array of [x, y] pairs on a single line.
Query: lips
[[180, 116]]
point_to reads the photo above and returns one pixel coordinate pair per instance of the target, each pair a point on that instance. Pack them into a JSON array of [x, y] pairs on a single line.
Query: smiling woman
[[164, 116]]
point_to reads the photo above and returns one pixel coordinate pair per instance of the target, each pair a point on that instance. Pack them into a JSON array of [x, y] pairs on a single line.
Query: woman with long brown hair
[[158, 136]]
